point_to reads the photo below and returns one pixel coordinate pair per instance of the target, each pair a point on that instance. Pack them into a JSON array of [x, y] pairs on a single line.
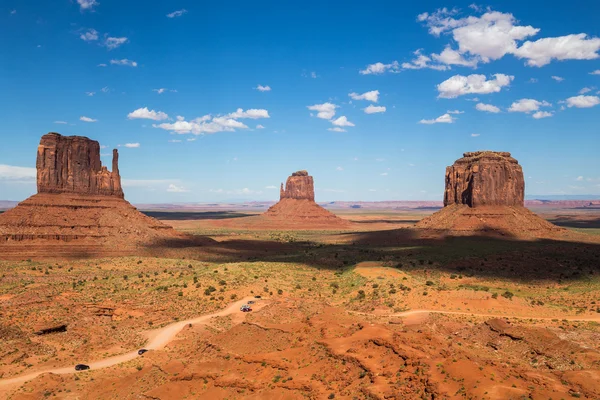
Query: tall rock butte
[[485, 193], [80, 210], [485, 178], [71, 164], [299, 186]]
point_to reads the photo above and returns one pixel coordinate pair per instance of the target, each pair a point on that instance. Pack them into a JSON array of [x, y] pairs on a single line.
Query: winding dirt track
[[159, 338]]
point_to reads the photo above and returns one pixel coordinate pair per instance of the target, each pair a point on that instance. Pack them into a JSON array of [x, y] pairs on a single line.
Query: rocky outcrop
[[485, 178], [71, 164], [299, 186]]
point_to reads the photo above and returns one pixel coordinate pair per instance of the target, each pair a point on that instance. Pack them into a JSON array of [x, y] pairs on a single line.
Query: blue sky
[[212, 102]]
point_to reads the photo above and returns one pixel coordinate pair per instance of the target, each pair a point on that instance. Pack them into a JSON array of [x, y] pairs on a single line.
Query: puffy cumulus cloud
[[87, 4], [145, 113], [583, 101], [124, 62], [371, 109], [373, 96], [453, 57], [10, 172], [209, 124], [487, 108], [87, 119], [336, 129], [596, 72], [459, 85], [177, 13], [380, 68], [557, 78], [422, 61], [342, 121], [542, 114], [527, 105], [114, 42], [259, 126], [586, 90], [176, 189], [262, 88], [569, 47], [89, 36], [443, 119], [494, 34], [324, 111]]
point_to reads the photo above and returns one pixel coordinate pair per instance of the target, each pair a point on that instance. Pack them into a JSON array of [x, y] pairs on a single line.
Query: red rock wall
[[485, 178], [299, 186], [71, 164]]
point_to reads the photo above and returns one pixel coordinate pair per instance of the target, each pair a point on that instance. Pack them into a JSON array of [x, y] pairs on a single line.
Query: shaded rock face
[[71, 164], [485, 178], [299, 186]]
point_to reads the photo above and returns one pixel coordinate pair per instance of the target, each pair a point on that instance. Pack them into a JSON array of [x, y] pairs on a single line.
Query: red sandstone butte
[[299, 186], [485, 178], [71, 164]]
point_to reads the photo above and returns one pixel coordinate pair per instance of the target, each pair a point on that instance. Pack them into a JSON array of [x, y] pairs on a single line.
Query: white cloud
[[114, 42], [125, 62], [583, 101], [89, 36], [339, 169], [61, 122], [494, 34], [384, 174], [102, 65], [177, 13], [452, 57], [176, 189], [371, 109], [579, 178], [324, 111], [259, 126], [475, 134], [212, 124], [459, 85], [131, 145], [423, 61], [271, 187], [487, 107], [380, 68], [174, 141], [87, 4], [596, 72], [9, 172], [105, 89], [542, 114], [145, 113], [585, 90], [443, 119], [87, 119], [336, 129], [569, 47], [342, 121], [90, 94], [262, 88], [163, 90], [455, 112], [372, 96], [557, 78], [527, 105]]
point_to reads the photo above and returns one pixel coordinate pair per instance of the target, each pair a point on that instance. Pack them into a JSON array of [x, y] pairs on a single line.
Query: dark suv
[[81, 367]]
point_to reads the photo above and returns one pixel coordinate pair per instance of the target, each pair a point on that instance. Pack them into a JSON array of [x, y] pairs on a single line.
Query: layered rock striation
[[299, 186], [485, 178], [484, 193], [71, 164]]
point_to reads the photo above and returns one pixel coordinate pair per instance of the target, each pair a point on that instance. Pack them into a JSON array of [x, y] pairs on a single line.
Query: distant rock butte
[[299, 186], [71, 164], [485, 178]]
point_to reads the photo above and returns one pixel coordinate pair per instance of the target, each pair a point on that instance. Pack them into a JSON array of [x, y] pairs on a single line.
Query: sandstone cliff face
[[71, 164], [299, 186], [485, 178]]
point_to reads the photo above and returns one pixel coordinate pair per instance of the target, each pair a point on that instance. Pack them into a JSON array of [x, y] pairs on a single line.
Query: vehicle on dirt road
[[245, 308], [142, 351], [81, 367]]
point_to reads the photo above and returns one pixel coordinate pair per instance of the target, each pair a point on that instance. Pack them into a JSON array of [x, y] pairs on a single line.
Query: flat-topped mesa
[[71, 164], [299, 186], [485, 178]]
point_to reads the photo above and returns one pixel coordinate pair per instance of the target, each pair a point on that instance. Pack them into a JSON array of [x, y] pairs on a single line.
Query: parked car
[[81, 367], [245, 308], [142, 351], [258, 297]]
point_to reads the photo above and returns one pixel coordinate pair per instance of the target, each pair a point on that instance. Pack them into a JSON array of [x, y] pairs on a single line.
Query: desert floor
[[371, 312]]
